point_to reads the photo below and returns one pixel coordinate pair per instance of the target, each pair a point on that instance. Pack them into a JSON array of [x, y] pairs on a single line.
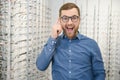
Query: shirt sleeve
[[44, 58], [97, 63]]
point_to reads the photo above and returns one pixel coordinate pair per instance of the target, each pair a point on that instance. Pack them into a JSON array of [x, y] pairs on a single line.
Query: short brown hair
[[68, 6]]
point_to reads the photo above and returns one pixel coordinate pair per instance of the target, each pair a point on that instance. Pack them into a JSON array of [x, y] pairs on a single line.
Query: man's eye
[[74, 17], [65, 18]]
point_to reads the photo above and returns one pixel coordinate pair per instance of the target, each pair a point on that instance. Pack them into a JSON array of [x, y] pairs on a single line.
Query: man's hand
[[56, 30]]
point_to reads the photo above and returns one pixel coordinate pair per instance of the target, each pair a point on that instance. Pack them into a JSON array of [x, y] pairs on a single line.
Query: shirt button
[[69, 50], [49, 49], [53, 42], [69, 72], [69, 60]]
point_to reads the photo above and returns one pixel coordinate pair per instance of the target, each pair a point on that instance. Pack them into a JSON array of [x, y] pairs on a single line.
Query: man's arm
[[97, 64], [48, 51], [43, 59]]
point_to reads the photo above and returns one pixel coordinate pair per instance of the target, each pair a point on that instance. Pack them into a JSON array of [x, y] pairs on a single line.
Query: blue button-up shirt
[[76, 59]]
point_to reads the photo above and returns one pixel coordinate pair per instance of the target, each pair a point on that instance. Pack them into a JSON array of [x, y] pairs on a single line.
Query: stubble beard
[[70, 35]]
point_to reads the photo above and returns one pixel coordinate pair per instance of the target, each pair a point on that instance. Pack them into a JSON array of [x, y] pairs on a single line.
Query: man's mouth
[[69, 29]]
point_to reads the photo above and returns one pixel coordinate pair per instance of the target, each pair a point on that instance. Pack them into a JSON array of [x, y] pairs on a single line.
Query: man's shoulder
[[87, 39]]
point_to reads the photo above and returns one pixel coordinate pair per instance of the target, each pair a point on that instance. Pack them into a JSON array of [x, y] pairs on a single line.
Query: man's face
[[70, 21]]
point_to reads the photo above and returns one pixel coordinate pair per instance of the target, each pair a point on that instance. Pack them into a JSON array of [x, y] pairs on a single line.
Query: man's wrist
[[52, 40]]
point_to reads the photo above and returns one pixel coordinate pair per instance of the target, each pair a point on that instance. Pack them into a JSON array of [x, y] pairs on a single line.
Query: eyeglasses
[[73, 18]]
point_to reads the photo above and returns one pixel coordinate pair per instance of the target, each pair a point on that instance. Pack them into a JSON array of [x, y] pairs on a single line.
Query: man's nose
[[70, 21]]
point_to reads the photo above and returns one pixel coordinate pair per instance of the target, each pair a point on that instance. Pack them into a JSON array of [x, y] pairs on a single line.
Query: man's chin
[[70, 36]]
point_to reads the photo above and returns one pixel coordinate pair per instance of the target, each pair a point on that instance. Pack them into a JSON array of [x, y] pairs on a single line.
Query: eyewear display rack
[[24, 29], [4, 41]]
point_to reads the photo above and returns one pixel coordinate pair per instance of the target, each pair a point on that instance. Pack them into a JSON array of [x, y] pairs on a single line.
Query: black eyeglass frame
[[73, 18]]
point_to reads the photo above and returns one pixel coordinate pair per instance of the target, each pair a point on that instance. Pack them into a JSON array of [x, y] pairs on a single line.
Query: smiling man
[[73, 55]]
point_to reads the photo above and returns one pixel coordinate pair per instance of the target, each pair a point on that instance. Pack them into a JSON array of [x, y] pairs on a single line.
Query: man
[[73, 55]]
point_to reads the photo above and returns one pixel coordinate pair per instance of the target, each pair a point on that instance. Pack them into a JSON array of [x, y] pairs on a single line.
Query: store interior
[[25, 26]]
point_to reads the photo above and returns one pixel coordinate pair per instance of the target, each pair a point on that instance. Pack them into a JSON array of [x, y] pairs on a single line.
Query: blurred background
[[25, 26]]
